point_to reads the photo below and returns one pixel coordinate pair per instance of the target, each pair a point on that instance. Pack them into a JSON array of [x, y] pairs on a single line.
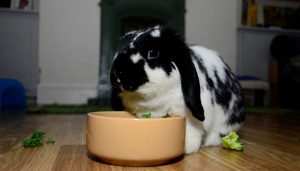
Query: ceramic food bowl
[[121, 139]]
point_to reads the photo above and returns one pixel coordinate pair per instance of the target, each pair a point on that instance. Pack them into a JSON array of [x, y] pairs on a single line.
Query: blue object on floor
[[12, 95]]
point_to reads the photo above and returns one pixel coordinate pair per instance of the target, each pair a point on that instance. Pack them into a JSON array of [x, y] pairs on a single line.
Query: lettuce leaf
[[146, 115], [232, 141]]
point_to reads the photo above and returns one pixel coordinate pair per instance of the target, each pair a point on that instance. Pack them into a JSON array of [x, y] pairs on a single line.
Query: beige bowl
[[121, 139]]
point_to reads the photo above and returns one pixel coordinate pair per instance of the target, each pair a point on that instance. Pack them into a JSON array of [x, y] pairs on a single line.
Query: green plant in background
[[270, 110], [68, 109]]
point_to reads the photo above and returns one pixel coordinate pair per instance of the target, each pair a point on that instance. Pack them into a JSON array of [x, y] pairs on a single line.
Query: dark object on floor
[[12, 95], [4, 3], [256, 85], [286, 50]]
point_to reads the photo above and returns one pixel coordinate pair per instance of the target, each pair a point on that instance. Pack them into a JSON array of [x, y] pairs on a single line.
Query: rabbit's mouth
[[130, 84], [128, 87]]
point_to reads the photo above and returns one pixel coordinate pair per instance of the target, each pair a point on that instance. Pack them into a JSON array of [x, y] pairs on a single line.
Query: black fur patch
[[237, 116], [210, 84], [131, 75], [116, 101], [223, 92]]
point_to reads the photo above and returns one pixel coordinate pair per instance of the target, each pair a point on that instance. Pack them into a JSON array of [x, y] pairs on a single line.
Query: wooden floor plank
[[271, 143], [273, 140], [12, 132]]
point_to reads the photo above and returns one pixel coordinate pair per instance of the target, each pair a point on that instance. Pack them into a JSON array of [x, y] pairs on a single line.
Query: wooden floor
[[272, 143]]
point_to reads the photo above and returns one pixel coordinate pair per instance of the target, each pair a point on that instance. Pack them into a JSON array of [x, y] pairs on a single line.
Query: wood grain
[[271, 143]]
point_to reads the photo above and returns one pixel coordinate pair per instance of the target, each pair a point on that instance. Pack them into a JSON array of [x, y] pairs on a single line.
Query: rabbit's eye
[[152, 54]]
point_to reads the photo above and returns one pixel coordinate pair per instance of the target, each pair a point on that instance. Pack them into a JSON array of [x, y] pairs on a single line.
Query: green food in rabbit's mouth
[[146, 115]]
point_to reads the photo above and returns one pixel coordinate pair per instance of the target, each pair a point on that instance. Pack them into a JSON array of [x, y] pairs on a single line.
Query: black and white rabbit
[[155, 72]]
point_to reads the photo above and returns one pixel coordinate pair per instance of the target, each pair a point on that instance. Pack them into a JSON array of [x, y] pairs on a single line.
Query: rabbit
[[155, 71]]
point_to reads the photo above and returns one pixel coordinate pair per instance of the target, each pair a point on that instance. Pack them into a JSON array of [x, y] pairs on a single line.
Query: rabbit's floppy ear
[[190, 87], [181, 55]]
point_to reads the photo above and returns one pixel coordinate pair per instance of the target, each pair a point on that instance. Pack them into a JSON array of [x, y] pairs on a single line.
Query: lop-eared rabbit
[[154, 71]]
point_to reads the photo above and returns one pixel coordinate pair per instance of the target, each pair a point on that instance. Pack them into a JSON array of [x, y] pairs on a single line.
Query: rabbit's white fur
[[167, 98]]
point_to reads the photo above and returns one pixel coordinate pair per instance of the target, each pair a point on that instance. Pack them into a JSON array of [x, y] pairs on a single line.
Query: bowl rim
[[94, 115]]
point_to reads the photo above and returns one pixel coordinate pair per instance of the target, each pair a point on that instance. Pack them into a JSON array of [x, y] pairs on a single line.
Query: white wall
[[68, 51], [18, 48], [69, 43], [213, 24]]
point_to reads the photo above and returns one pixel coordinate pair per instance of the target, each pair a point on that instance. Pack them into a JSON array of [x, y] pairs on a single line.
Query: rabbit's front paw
[[192, 148], [193, 139]]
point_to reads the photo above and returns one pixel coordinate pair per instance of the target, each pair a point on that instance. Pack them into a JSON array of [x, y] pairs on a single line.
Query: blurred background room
[[57, 54], [55, 59]]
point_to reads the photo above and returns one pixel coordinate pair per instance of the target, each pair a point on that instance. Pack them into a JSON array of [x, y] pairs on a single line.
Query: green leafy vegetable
[[146, 115], [38, 135], [232, 141], [36, 140], [50, 141]]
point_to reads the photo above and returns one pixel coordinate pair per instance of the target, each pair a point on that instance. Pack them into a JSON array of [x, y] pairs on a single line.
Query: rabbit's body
[[200, 86]]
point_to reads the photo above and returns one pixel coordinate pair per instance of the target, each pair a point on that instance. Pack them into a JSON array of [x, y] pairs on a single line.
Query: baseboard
[[65, 94]]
